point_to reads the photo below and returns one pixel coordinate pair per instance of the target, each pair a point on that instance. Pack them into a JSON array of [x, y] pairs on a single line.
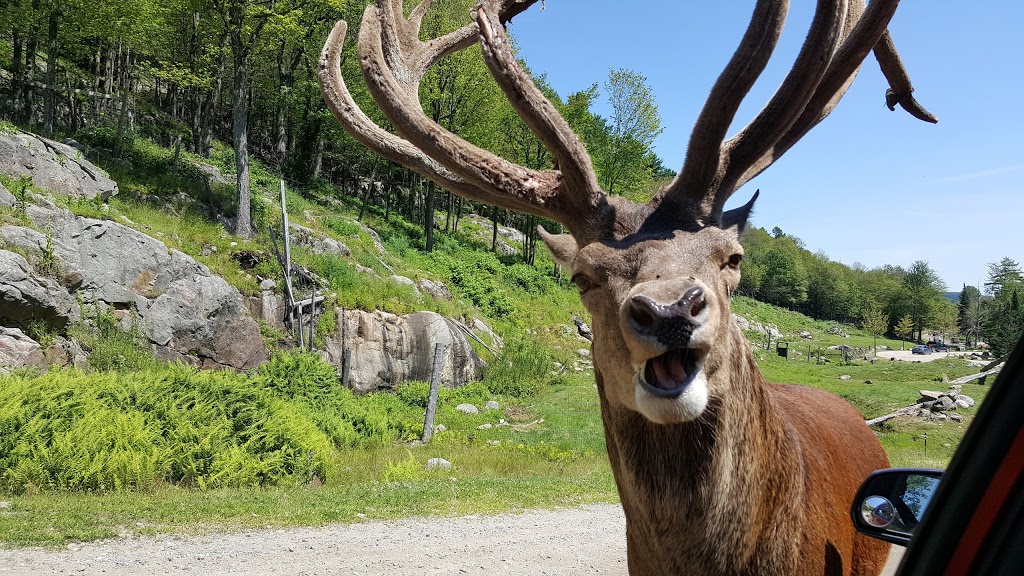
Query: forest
[[197, 74]]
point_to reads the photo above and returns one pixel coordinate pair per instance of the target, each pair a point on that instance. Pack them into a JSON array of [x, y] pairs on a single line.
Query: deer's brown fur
[[719, 472]]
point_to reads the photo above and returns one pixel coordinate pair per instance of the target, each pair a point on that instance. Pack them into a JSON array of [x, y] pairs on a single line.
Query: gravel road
[[574, 541], [568, 542]]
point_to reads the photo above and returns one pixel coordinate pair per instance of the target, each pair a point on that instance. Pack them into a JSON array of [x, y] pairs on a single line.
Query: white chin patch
[[685, 407]]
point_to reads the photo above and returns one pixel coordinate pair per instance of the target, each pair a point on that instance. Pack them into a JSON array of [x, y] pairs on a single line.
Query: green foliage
[[521, 371], [112, 346], [298, 374]]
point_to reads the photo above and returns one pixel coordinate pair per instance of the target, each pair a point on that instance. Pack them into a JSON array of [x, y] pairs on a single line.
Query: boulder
[[203, 320], [27, 296], [930, 394], [17, 350], [56, 167], [964, 401], [187, 313], [437, 290], [405, 281], [386, 349], [439, 463], [316, 242], [492, 405], [467, 409], [944, 404], [6, 198]]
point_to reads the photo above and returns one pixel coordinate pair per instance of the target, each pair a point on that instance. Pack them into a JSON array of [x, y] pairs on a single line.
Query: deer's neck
[[696, 474]]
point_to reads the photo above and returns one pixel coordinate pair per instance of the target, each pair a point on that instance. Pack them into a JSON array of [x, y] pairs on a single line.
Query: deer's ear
[[737, 217], [563, 246]]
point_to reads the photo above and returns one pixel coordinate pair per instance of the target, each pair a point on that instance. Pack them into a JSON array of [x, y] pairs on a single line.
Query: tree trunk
[[17, 69], [122, 116], [29, 99], [494, 229], [50, 98], [428, 217], [243, 222]]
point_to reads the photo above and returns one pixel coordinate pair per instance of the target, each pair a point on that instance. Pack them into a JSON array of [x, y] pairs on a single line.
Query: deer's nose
[[673, 323]]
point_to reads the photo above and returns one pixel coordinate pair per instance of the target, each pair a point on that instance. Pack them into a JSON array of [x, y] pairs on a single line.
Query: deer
[[718, 471]]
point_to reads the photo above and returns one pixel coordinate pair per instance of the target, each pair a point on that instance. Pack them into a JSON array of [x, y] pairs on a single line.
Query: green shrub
[[298, 374], [521, 371]]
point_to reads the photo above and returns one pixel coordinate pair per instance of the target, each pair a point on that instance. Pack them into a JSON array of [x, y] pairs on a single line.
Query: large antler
[[841, 35], [394, 60]]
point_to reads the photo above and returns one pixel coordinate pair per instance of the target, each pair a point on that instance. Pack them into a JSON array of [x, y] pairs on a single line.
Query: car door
[[975, 522]]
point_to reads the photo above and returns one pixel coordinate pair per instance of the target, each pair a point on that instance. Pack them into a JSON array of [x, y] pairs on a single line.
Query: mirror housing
[[891, 503]]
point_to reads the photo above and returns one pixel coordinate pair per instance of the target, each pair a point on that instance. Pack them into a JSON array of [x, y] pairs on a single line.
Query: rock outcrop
[[386, 350], [52, 165], [26, 297], [186, 312], [17, 350]]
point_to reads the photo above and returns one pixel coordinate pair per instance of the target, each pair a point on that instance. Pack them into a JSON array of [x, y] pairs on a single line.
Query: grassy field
[[551, 455], [133, 447]]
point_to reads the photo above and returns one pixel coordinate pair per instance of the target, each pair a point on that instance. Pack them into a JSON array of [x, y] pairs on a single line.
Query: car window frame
[[949, 531]]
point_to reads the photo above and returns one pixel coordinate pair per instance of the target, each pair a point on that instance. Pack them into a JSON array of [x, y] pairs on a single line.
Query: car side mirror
[[890, 503]]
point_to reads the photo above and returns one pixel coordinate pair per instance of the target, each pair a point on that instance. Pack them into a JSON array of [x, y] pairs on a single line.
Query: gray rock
[[187, 313], [964, 401], [26, 295], [440, 463], [938, 416], [404, 281], [214, 175], [365, 270], [53, 166], [205, 318], [7, 199], [440, 428], [268, 284], [435, 289], [944, 404], [63, 352], [805, 335], [845, 377], [467, 409], [583, 352], [930, 394], [17, 350], [316, 242], [387, 349], [487, 426], [492, 405], [956, 417]]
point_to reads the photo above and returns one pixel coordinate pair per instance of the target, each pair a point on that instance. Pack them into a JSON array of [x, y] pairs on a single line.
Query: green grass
[[545, 447]]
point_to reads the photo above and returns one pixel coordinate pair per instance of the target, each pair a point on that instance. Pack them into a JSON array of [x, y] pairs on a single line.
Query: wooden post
[[288, 267], [346, 355], [435, 384]]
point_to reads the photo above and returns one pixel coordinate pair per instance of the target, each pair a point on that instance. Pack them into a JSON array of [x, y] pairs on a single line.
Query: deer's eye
[[734, 261], [583, 283]]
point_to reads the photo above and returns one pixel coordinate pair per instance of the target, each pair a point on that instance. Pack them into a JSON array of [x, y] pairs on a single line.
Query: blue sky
[[866, 185]]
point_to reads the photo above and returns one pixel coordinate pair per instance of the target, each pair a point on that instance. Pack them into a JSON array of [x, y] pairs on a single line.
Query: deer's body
[[719, 472]]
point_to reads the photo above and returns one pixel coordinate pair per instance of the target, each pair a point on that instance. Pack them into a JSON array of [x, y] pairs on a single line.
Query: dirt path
[[574, 541]]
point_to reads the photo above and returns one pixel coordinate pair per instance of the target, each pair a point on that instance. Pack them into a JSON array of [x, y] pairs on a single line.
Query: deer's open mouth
[[671, 373]]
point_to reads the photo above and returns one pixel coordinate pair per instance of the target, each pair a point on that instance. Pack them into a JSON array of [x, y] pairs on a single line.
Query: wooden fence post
[[435, 385]]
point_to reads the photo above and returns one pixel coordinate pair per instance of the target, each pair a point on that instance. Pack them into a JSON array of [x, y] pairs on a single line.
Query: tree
[[1005, 272], [1006, 320], [969, 314], [623, 162], [784, 283], [904, 329], [924, 290], [874, 321]]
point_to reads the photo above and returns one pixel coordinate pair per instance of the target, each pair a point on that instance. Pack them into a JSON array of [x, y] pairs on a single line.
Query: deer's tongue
[[668, 370]]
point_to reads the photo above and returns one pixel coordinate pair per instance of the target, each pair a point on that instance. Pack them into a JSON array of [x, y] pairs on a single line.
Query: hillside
[[283, 443]]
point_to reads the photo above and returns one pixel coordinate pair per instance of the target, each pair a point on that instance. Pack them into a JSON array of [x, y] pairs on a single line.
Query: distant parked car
[[938, 346], [921, 349]]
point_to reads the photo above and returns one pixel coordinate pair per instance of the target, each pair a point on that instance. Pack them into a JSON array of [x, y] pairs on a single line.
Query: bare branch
[[901, 90]]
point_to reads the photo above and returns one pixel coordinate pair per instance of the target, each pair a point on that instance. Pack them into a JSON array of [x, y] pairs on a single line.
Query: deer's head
[[656, 277]]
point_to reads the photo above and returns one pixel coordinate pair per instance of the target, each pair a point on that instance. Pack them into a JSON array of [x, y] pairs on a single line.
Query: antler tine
[[791, 98], [400, 151], [703, 155], [393, 60], [867, 34], [901, 91], [581, 190]]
